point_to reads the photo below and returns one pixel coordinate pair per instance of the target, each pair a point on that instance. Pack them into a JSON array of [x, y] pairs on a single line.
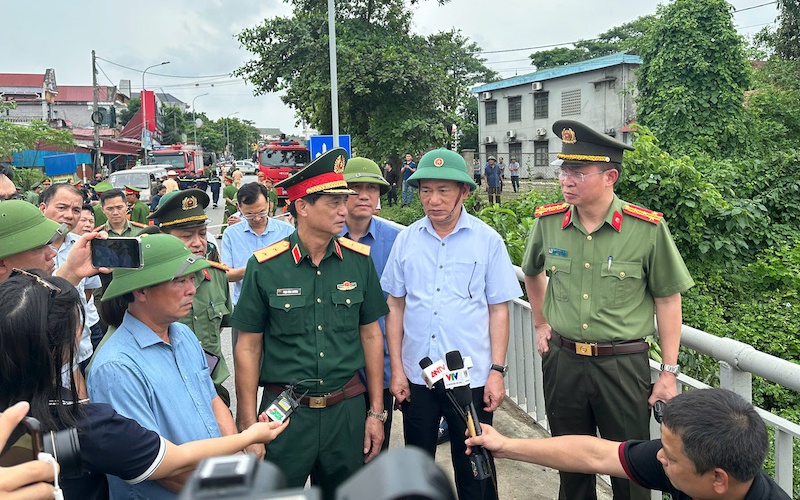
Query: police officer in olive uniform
[[611, 265], [309, 312], [182, 214], [100, 216], [137, 210]]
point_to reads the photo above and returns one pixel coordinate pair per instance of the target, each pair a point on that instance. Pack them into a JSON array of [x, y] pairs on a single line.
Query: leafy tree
[[126, 114], [16, 138], [176, 124], [787, 36], [624, 38], [693, 77], [397, 91]]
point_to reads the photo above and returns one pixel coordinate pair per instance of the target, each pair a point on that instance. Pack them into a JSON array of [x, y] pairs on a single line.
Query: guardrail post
[[735, 380], [783, 460]]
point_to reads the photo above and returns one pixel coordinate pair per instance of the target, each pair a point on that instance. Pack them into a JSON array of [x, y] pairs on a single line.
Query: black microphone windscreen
[[454, 360], [425, 362]]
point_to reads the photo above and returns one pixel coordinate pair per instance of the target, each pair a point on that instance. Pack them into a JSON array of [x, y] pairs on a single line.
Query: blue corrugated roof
[[569, 69]]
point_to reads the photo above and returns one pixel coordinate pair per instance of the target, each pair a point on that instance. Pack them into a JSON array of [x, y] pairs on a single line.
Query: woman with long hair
[[41, 320]]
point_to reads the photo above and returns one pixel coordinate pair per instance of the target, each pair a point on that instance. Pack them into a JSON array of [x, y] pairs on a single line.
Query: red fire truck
[[183, 158], [279, 160]]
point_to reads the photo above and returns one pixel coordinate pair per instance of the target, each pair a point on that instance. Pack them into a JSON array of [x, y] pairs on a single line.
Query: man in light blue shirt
[[364, 177], [153, 369], [240, 240], [449, 279]]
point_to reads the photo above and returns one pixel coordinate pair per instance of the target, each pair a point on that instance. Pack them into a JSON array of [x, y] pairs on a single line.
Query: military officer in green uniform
[[182, 214], [99, 216], [229, 196], [115, 208], [612, 265], [309, 312], [137, 210]]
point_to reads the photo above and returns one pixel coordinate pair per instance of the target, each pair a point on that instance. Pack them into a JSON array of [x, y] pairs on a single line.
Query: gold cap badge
[[189, 203], [568, 136], [338, 166], [438, 162]]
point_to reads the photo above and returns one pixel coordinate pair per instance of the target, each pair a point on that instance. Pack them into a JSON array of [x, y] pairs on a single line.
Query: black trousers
[[421, 427], [391, 196], [587, 394]]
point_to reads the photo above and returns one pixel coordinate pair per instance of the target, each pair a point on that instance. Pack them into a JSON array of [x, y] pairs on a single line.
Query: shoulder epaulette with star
[[643, 213], [354, 246], [218, 265], [271, 251], [137, 224], [553, 208]]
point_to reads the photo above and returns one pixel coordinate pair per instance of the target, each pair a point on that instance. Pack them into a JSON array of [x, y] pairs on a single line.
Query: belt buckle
[[586, 348], [317, 401]]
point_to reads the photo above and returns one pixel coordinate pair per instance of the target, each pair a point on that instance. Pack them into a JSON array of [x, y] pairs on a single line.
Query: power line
[[161, 74], [754, 7]]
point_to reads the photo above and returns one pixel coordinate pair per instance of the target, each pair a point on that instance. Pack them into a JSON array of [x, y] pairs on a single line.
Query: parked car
[[246, 166], [145, 177]]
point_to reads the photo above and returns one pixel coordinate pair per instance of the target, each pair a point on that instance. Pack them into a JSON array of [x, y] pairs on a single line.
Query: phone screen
[[23, 445], [117, 253]]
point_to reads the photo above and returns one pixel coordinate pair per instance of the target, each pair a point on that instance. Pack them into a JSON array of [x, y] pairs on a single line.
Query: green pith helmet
[[364, 170], [102, 187], [442, 164], [164, 258], [23, 227], [182, 209]]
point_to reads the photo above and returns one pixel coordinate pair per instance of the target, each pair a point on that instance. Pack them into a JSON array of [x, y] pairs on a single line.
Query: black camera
[[244, 477], [27, 441]]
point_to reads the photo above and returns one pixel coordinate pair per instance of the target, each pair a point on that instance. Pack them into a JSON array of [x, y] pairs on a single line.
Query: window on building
[[491, 112], [541, 106], [571, 102], [515, 109], [541, 154]]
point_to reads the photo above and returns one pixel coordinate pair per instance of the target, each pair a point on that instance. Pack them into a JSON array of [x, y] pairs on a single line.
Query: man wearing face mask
[[364, 177]]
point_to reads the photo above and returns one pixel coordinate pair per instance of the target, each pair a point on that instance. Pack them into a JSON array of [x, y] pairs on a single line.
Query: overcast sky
[[198, 38]]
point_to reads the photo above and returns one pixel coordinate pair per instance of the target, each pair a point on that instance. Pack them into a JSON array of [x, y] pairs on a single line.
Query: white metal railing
[[738, 363]]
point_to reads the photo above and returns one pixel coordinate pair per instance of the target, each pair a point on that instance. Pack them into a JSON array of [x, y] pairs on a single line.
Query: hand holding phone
[[117, 253]]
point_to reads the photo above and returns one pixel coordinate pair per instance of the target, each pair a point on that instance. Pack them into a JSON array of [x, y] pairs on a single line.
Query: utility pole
[[334, 81], [95, 91]]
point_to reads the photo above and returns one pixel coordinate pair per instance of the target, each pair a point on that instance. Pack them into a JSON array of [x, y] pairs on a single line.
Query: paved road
[[517, 480]]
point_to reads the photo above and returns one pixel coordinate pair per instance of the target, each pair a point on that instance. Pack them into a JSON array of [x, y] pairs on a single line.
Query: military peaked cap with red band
[[324, 175], [581, 145]]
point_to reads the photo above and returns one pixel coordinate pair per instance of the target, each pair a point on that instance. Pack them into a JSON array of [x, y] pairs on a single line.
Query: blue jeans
[[408, 193]]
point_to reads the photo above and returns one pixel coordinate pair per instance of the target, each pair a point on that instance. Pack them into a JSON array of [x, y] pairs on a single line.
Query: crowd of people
[[341, 308]]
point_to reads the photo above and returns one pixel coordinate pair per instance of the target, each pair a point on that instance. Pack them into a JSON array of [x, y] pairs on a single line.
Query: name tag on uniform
[[284, 292], [558, 252]]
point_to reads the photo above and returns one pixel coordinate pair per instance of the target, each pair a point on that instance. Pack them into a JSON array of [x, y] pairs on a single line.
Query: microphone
[[433, 373], [462, 399], [461, 391]]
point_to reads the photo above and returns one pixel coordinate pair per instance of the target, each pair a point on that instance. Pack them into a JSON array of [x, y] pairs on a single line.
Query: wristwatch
[[674, 369], [380, 416], [500, 368]]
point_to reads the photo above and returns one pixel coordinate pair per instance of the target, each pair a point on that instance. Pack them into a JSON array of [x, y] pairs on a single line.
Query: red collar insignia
[[296, 254], [567, 219], [337, 249], [616, 220]]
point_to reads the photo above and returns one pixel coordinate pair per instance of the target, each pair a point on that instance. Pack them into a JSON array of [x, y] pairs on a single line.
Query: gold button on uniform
[[322, 355], [622, 275], [319, 327], [585, 295], [589, 237], [319, 273], [347, 301], [553, 268], [287, 306], [585, 326], [319, 300], [587, 265]]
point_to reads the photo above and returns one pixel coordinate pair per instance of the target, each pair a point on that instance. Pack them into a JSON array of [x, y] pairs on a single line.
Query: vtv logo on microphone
[[456, 378]]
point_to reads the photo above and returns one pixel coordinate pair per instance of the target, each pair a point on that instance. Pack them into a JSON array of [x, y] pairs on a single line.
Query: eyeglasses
[[576, 176], [54, 290], [259, 215]]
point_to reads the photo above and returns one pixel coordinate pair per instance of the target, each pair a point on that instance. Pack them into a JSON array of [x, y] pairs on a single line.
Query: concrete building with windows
[[516, 115]]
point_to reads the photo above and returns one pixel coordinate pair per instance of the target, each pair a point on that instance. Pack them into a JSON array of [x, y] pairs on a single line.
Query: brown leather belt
[[351, 389], [604, 348]]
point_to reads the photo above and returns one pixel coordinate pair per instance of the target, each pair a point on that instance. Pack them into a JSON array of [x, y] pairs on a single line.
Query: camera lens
[[66, 449]]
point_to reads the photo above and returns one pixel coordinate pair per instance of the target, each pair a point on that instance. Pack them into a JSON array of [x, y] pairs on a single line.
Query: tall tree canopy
[[692, 80], [623, 38], [397, 91]]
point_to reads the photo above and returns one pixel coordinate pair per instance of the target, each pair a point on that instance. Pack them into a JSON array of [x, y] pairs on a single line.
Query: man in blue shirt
[[449, 280], [364, 177], [258, 231], [494, 181], [407, 170], [153, 369]]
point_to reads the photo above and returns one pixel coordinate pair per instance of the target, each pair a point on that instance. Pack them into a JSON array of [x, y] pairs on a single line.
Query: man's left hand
[[494, 391], [373, 438], [79, 259], [664, 389]]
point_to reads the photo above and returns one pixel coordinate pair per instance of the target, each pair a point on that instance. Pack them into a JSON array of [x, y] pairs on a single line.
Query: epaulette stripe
[[218, 265], [554, 208], [643, 213], [271, 251], [354, 246]]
